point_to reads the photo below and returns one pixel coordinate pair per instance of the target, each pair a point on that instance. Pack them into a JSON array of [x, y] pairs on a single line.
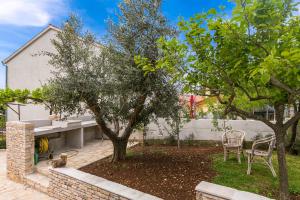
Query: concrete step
[[38, 182], [43, 170]]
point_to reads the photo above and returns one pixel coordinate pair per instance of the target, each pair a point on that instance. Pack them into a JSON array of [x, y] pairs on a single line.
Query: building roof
[[45, 30]]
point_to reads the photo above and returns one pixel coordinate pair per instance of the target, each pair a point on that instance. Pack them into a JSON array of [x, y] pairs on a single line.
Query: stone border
[[69, 183], [210, 191]]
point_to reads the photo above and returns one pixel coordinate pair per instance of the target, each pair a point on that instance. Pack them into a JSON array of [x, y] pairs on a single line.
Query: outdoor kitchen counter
[[88, 123], [45, 130], [75, 130]]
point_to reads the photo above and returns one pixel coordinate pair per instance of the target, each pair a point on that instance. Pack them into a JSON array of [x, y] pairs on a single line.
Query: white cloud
[[30, 12]]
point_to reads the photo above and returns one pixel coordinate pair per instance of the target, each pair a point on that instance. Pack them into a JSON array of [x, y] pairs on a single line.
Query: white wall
[[203, 129], [28, 71]]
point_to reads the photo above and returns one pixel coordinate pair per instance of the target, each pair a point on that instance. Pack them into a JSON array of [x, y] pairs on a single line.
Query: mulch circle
[[162, 171]]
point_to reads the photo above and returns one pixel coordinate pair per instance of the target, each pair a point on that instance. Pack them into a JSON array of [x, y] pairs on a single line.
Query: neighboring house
[[26, 69]]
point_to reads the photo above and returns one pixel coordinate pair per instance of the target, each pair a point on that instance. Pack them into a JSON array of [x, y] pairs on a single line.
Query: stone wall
[[20, 149], [210, 191], [72, 184]]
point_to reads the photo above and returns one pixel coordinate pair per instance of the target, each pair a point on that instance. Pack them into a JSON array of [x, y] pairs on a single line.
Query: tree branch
[[134, 116], [296, 117], [280, 85], [258, 97], [92, 104], [250, 115]]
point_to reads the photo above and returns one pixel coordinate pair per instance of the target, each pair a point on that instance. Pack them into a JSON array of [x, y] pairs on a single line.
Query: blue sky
[[20, 20]]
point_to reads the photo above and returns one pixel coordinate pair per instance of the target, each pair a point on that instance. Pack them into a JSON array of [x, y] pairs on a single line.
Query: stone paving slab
[[77, 158], [10, 190], [92, 152]]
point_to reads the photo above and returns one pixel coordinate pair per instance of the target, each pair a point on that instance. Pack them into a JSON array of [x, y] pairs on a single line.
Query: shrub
[[190, 139], [2, 142]]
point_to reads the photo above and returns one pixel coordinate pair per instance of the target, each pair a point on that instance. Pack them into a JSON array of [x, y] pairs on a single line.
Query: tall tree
[[106, 79], [291, 145], [248, 60]]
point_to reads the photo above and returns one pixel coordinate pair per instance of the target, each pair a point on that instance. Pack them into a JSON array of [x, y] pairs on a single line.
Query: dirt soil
[[162, 171]]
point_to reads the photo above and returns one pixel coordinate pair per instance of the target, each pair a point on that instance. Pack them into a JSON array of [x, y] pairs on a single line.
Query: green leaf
[[212, 11]]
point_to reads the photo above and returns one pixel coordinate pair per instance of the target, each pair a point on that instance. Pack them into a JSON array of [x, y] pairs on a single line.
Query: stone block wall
[[72, 184], [210, 191], [20, 149]]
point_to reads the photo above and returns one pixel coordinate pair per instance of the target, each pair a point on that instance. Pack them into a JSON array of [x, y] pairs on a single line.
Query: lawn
[[261, 181]]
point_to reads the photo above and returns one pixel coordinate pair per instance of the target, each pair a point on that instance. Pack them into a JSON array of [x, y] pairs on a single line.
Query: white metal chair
[[232, 140], [265, 154]]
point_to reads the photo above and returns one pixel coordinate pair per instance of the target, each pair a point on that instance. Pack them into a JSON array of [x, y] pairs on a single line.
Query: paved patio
[[10, 190], [78, 158]]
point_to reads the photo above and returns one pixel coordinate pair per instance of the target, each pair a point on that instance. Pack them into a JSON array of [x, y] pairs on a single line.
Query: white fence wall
[[203, 129]]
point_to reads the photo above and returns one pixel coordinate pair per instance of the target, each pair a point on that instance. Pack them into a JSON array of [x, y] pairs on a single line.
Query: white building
[[27, 70]]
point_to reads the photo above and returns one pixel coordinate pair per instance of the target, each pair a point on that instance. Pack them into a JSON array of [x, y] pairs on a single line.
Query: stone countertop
[[71, 125]]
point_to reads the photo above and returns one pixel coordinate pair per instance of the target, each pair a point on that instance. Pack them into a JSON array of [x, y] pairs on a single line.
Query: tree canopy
[[105, 79], [248, 60]]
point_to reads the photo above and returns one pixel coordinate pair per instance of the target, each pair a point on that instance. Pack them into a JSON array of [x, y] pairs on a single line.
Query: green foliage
[[25, 96], [2, 142], [190, 139], [247, 61], [108, 80], [2, 135], [234, 175], [2, 121], [171, 140], [9, 95]]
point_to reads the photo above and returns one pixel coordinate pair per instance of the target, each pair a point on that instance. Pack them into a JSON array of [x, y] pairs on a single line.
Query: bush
[[2, 122], [171, 140], [2, 142], [190, 139], [2, 130]]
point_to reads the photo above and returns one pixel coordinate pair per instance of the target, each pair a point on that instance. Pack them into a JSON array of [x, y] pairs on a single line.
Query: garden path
[[10, 190]]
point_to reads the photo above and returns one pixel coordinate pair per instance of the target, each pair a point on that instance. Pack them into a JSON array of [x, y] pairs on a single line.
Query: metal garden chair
[[265, 154], [232, 140]]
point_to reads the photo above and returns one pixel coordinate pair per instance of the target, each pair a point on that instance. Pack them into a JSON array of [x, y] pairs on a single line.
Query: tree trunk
[[294, 131], [283, 174], [280, 133], [120, 146], [144, 135], [177, 133], [293, 136]]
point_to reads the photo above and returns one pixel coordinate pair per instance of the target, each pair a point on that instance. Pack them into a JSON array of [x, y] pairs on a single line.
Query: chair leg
[[239, 155], [249, 164], [270, 165], [225, 154]]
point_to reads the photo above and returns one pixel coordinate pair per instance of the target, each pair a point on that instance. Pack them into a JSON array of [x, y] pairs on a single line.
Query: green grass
[[261, 181]]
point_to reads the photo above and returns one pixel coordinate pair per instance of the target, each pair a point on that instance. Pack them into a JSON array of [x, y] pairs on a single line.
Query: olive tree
[[248, 60], [105, 79]]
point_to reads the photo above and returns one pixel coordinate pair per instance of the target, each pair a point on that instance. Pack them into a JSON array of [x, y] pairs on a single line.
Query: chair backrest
[[270, 141], [234, 137]]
